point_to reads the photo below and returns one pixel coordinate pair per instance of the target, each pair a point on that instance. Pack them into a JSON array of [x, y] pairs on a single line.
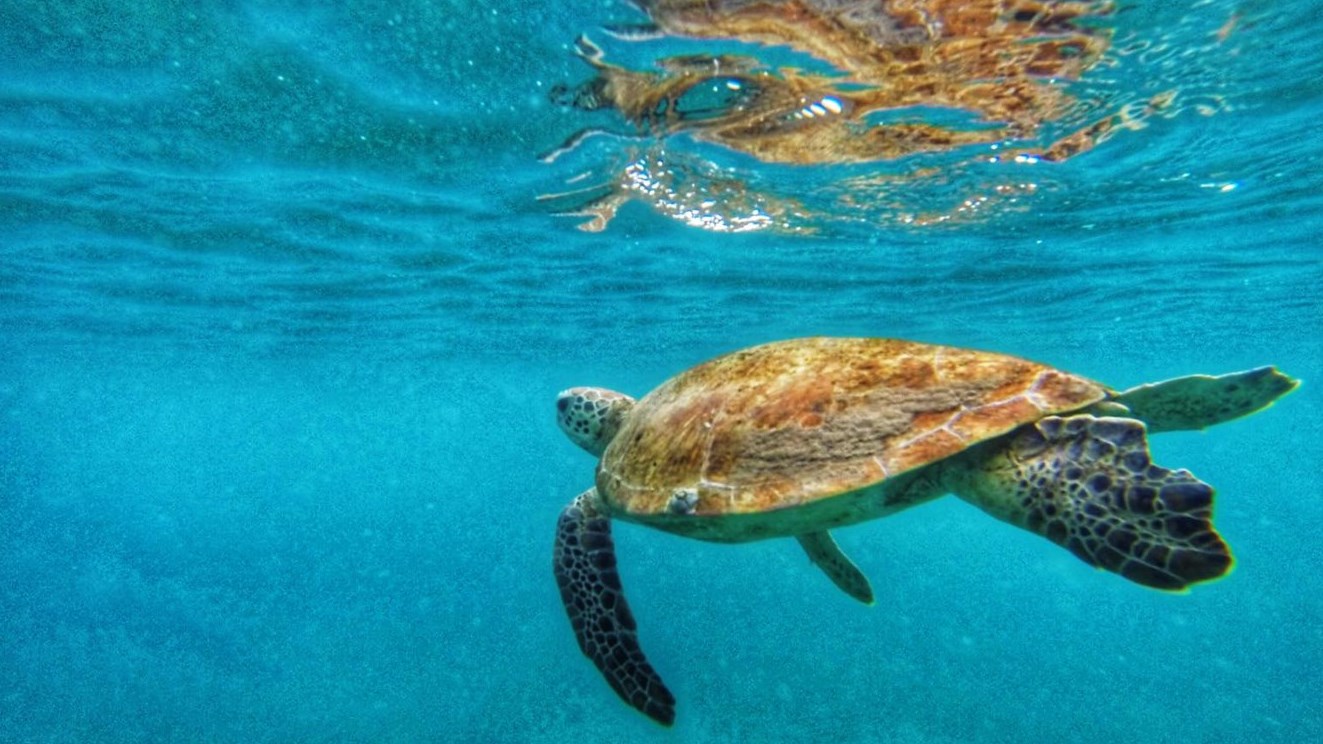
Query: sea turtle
[[793, 438]]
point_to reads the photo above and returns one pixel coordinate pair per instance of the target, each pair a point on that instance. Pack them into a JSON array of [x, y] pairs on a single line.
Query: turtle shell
[[791, 423]]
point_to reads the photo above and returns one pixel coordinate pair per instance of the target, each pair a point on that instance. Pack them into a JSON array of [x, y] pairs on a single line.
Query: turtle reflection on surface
[[911, 76], [1001, 63]]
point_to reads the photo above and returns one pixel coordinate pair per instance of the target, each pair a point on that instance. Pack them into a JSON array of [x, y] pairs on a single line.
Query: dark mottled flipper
[[1200, 401], [585, 565], [827, 555], [1087, 484]]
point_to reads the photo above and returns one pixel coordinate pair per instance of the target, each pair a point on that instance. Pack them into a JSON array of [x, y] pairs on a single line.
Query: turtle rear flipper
[[1087, 484], [1200, 401], [827, 555], [585, 566]]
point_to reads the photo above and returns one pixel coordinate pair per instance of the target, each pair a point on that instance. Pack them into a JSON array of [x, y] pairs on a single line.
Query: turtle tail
[[585, 566], [1087, 484]]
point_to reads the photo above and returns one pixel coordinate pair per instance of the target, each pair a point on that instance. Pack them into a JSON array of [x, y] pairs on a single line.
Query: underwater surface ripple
[[282, 321]]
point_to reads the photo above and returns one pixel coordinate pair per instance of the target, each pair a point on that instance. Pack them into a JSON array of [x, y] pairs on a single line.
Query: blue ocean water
[[282, 322]]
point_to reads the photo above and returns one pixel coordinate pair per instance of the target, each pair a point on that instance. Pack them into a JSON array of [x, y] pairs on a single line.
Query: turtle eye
[[562, 404]]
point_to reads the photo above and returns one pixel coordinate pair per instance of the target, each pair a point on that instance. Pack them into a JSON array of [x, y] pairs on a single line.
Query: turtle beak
[[565, 406]]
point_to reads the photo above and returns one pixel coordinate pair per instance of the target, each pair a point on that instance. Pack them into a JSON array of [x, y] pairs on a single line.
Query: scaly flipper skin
[[585, 566], [1200, 401], [1087, 484], [827, 555]]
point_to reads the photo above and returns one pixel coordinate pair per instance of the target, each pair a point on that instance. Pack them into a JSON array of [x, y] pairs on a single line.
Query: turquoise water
[[282, 323]]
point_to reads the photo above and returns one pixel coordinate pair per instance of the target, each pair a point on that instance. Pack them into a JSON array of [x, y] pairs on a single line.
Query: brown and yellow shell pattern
[[795, 423]]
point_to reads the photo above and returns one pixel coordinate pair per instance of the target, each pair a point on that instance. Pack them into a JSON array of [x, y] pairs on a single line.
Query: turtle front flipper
[[827, 555], [1087, 484], [1200, 401], [585, 565]]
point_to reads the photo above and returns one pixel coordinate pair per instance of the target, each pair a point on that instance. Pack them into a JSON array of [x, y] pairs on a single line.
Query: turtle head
[[590, 417]]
